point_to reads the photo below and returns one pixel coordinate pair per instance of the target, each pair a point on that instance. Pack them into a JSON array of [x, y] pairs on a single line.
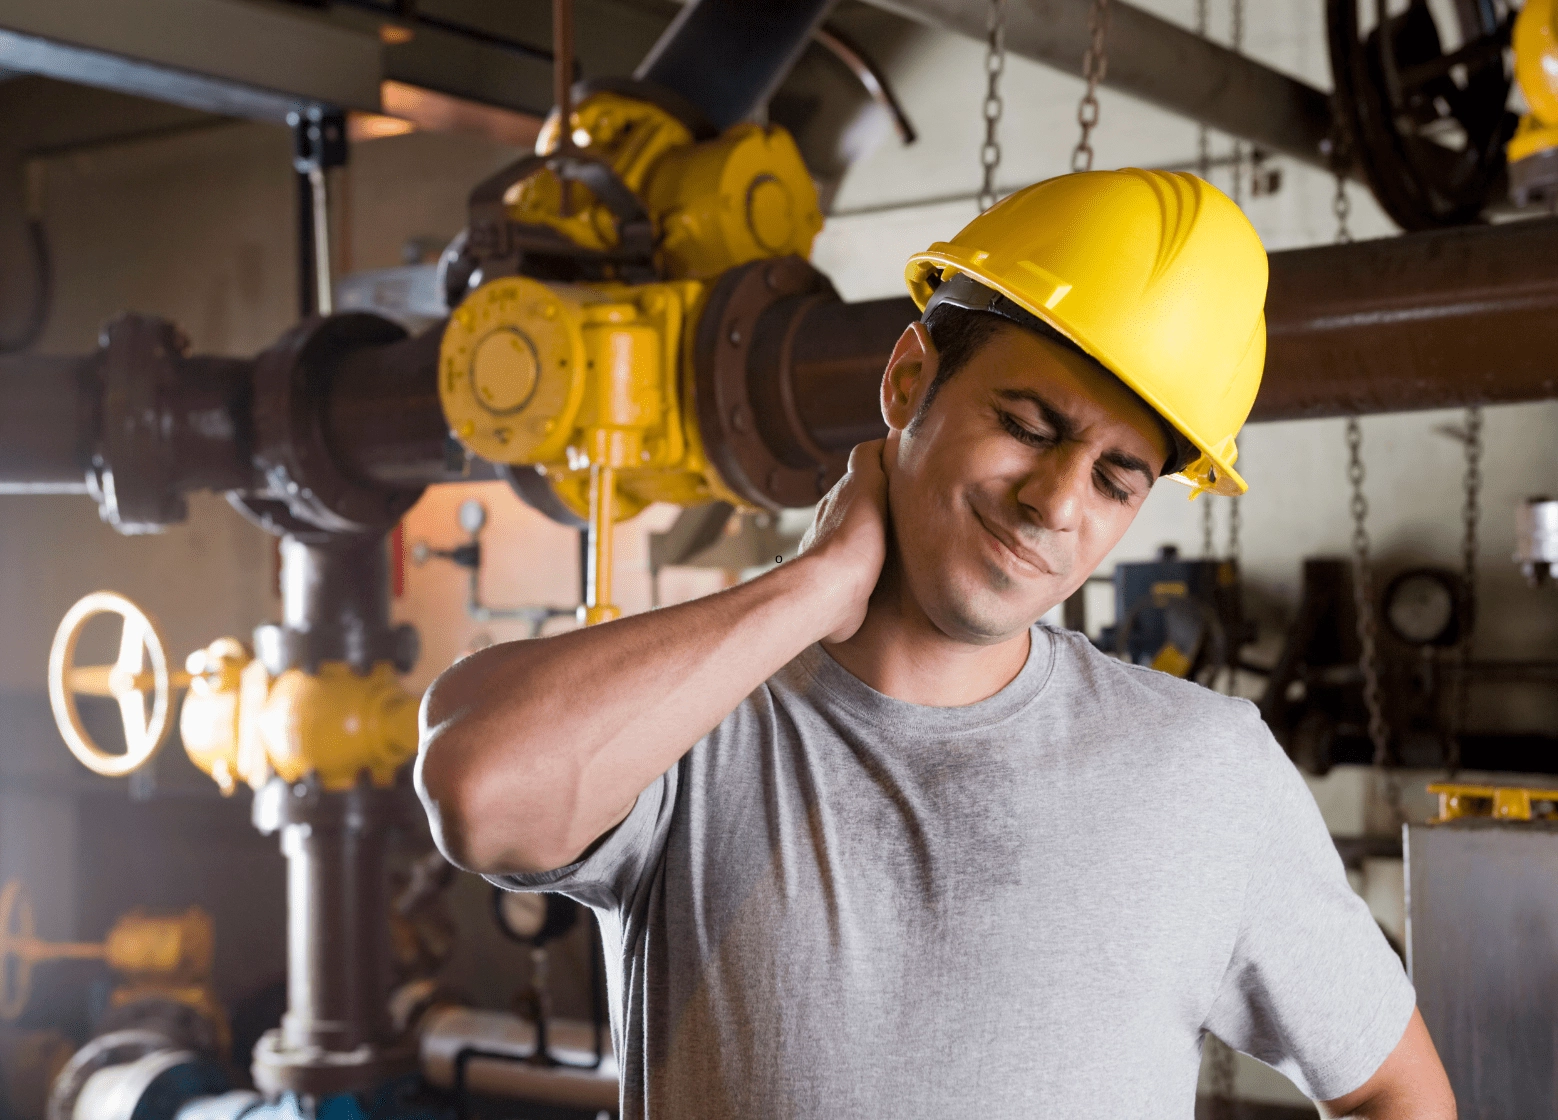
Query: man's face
[[1024, 472]]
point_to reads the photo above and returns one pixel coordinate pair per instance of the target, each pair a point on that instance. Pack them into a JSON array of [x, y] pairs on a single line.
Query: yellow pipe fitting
[[338, 723]]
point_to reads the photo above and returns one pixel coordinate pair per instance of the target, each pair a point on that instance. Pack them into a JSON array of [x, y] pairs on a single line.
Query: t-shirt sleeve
[[1312, 988], [610, 875]]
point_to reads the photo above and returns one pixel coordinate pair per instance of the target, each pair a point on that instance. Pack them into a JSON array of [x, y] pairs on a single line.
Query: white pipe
[[447, 1031]]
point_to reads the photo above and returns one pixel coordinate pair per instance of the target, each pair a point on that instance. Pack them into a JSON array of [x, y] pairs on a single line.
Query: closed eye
[[1026, 434], [1106, 485]]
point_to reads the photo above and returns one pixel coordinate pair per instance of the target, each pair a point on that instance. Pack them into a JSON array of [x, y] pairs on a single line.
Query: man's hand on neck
[[901, 653]]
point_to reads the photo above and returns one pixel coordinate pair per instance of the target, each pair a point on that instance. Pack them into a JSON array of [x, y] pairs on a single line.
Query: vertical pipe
[[319, 197], [337, 937], [597, 601]]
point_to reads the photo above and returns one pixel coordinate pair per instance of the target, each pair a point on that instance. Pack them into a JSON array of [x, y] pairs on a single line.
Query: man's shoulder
[[1154, 717]]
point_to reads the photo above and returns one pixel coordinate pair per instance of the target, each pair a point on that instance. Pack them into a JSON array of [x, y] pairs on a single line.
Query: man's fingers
[[865, 459]]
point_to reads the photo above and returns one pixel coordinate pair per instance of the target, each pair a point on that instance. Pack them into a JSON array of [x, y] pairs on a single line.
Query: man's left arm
[[1312, 987], [1410, 1085]]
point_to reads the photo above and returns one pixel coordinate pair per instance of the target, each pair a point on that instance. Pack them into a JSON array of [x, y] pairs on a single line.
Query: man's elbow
[[479, 823]]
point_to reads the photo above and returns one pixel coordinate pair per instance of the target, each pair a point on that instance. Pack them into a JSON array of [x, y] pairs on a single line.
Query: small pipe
[[597, 601]]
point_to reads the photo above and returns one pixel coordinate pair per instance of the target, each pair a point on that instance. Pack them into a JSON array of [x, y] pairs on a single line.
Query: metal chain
[[995, 66], [1341, 206], [1203, 133], [1095, 64], [1471, 514], [1236, 37], [1363, 595]]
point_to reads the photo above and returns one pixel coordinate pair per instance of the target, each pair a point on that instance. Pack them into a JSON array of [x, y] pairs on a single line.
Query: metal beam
[[1159, 62], [220, 56]]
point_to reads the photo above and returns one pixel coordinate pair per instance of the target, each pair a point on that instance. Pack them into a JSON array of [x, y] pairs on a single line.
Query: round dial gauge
[[472, 516], [533, 918], [1420, 607], [521, 915]]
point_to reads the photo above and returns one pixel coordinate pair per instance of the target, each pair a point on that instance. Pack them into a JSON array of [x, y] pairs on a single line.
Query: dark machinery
[[1182, 617]]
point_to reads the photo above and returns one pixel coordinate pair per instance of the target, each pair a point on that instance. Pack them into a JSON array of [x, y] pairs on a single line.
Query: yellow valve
[[139, 673], [154, 951], [337, 723], [583, 382], [237, 723], [743, 197]]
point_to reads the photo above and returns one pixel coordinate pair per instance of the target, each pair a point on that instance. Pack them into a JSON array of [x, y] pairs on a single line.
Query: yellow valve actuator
[[590, 382]]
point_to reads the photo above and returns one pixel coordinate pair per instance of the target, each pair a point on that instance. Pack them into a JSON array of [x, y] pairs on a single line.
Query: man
[[866, 841]]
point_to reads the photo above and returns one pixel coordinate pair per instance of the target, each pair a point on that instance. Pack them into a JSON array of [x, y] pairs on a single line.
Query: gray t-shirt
[[839, 904]]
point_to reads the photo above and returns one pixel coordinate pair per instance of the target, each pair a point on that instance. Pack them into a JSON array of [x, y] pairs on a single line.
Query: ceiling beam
[[1158, 62]]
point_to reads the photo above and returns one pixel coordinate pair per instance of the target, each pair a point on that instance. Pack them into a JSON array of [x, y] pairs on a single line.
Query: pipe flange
[[291, 387], [733, 410], [279, 804], [134, 473], [280, 648], [316, 1072]]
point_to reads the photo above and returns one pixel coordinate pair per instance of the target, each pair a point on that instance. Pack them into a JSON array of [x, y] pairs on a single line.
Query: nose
[[1055, 493]]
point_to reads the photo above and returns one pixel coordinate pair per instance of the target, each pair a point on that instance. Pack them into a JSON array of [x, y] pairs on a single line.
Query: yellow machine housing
[[591, 383], [1535, 41]]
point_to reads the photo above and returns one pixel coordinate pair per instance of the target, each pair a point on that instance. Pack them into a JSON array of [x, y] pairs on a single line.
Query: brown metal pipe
[[47, 424], [383, 419], [1426, 320]]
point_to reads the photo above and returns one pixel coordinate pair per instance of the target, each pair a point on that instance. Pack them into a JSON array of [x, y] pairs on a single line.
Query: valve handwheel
[[139, 673], [16, 936]]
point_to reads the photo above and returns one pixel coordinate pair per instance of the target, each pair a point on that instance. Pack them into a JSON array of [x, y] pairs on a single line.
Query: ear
[[908, 376]]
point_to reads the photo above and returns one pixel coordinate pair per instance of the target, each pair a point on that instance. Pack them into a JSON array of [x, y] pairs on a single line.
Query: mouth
[[1011, 550]]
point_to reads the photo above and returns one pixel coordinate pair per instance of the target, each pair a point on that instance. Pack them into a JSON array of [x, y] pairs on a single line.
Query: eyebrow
[[1066, 429]]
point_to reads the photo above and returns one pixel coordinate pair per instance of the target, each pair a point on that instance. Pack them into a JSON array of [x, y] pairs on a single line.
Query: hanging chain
[[1363, 595], [995, 66], [1471, 514], [1341, 206], [1236, 37], [1203, 133], [1095, 64]]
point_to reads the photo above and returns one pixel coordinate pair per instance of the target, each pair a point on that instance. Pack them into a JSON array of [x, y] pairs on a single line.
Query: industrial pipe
[[1429, 320], [1160, 63], [755, 42]]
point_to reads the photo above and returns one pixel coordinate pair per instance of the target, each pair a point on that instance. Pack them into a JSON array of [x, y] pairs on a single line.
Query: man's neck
[[899, 652]]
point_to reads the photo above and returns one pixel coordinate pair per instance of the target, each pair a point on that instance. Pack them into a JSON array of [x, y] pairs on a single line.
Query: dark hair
[[959, 333]]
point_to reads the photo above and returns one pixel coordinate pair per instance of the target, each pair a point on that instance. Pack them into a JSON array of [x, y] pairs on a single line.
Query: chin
[[977, 615]]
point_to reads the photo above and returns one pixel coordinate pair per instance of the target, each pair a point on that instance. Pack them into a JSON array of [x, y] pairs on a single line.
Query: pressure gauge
[[1422, 607], [472, 516], [533, 918]]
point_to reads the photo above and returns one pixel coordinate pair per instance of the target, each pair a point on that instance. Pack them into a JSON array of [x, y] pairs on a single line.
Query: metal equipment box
[[1482, 950]]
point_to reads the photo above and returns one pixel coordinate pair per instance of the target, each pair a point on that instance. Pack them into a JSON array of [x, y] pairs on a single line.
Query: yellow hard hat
[[1156, 274]]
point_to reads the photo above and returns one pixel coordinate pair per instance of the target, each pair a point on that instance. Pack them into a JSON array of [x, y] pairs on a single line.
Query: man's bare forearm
[[533, 749]]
